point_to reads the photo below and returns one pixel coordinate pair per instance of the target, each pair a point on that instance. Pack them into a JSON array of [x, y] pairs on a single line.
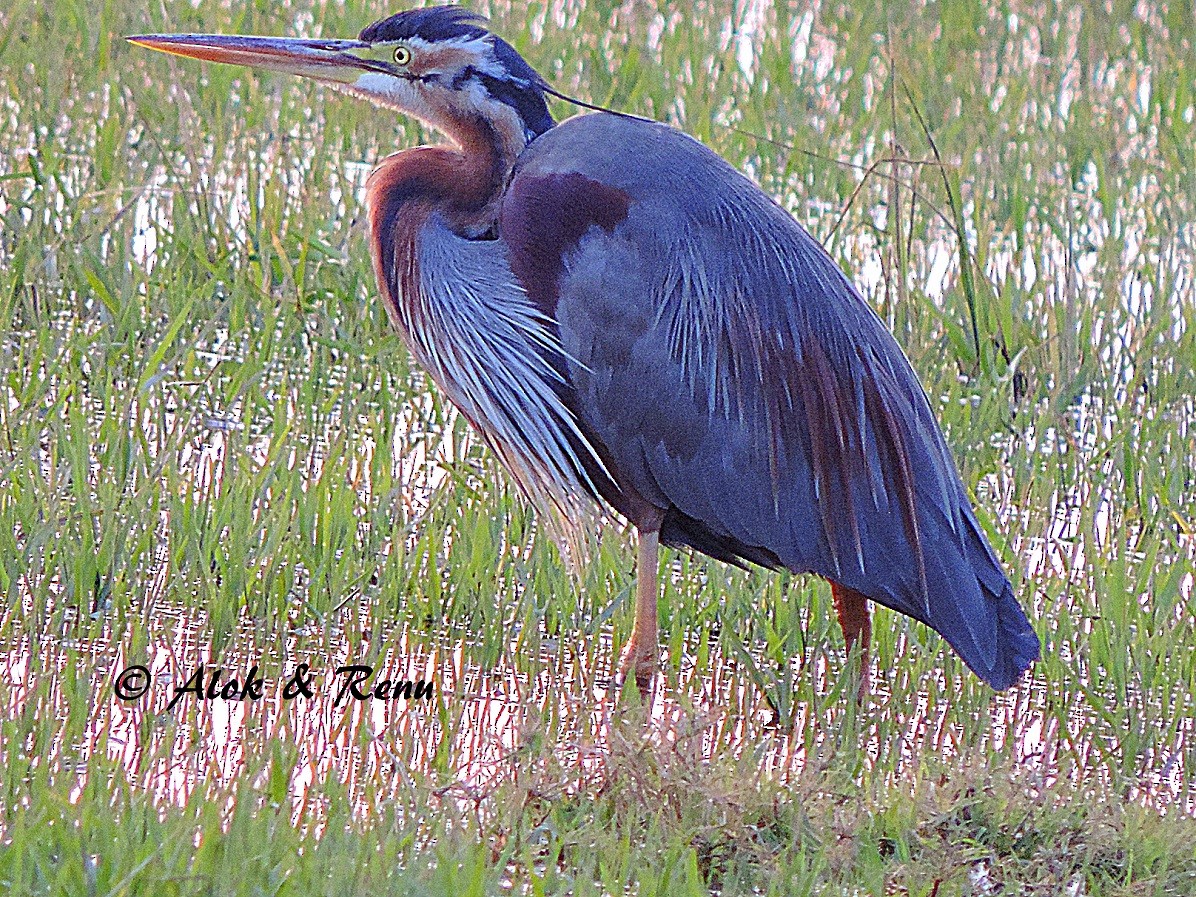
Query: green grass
[[224, 456]]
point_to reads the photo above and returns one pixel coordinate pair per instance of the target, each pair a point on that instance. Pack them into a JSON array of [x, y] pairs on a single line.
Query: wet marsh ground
[[214, 450]]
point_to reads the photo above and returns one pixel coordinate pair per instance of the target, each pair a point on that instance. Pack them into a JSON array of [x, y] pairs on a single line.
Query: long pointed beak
[[326, 60]]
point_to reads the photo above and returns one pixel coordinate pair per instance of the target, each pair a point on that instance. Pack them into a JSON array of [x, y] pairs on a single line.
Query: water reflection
[[486, 725]]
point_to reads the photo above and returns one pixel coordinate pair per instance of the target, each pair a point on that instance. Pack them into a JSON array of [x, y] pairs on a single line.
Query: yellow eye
[[402, 55]]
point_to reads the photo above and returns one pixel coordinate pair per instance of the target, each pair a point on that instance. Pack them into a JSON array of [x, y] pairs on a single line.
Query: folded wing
[[729, 373]]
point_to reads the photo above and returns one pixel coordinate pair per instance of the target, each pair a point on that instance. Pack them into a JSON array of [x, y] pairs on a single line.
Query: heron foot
[[864, 675], [641, 657]]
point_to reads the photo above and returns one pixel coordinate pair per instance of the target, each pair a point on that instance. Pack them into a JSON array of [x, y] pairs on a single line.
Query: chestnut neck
[[464, 183]]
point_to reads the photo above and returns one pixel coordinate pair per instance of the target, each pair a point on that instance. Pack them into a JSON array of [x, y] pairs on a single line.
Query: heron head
[[437, 64]]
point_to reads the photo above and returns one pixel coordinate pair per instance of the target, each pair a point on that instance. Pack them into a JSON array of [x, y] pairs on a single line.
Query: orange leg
[[856, 622], [641, 654]]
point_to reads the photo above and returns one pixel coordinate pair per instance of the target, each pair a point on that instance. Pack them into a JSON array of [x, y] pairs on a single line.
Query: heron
[[633, 324]]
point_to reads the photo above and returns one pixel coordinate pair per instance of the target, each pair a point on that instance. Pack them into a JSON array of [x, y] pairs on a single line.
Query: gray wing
[[731, 375]]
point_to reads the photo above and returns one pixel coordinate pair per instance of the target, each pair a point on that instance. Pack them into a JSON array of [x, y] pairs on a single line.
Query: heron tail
[[985, 623], [1017, 644]]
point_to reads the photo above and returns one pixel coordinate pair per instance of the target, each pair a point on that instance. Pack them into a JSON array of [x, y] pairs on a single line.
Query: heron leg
[[856, 622], [641, 654]]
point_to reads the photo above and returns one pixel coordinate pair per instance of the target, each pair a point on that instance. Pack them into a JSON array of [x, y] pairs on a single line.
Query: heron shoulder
[[644, 158]]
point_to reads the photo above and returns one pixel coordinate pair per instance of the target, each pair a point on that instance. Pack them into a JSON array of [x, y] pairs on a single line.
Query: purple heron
[[628, 319]]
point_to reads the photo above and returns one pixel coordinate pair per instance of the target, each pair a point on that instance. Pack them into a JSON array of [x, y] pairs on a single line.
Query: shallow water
[[1093, 273], [472, 733]]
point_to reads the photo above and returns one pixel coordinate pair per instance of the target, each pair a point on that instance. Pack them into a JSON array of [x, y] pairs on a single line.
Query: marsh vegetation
[[213, 449]]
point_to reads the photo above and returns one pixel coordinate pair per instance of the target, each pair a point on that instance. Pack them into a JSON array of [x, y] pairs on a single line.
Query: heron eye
[[402, 55]]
